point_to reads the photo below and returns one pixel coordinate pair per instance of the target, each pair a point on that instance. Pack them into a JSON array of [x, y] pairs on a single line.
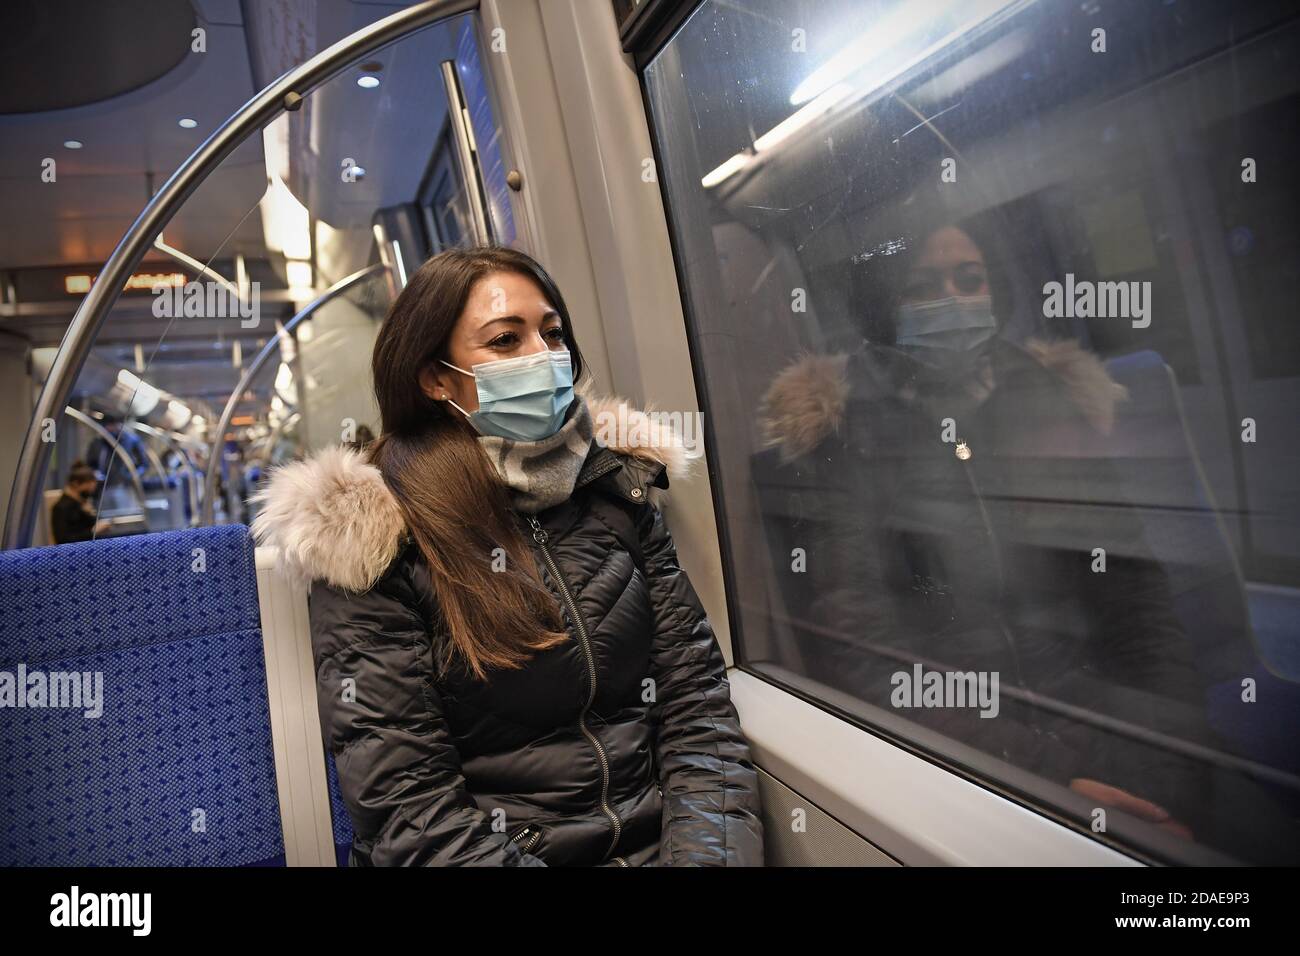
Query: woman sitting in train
[[967, 500], [512, 667]]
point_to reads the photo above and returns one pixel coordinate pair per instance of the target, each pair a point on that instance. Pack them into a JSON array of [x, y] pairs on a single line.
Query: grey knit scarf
[[542, 473]]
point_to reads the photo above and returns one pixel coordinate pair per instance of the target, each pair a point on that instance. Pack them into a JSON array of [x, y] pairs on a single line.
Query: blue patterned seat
[[178, 769]]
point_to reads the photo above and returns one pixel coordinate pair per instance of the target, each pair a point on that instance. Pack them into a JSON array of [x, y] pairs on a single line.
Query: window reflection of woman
[[979, 563]]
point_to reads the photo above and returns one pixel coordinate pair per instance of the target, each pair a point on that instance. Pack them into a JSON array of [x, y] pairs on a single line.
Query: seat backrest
[[136, 728], [1151, 448], [342, 821], [45, 521]]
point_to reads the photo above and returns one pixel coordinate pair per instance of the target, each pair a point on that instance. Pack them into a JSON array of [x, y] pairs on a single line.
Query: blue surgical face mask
[[946, 332], [523, 398]]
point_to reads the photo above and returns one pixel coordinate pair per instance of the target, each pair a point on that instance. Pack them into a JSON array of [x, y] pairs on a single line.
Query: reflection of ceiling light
[[730, 167], [969, 70], [142, 396], [356, 172], [802, 117], [72, 143], [886, 45], [187, 123], [179, 413], [779, 133], [305, 331], [367, 82], [885, 35]]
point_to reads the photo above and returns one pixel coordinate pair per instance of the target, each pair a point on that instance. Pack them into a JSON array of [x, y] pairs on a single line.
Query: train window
[[988, 302]]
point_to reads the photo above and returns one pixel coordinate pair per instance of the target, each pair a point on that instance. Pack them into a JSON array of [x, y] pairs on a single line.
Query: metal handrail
[[286, 93], [198, 267], [271, 347]]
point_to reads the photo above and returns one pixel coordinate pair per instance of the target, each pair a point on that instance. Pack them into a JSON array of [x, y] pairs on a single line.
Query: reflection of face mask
[[524, 398], [946, 332]]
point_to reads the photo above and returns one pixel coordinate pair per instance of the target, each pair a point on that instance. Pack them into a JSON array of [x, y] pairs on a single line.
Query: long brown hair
[[454, 502]]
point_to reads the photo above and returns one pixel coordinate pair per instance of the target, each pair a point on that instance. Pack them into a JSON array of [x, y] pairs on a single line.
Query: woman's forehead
[[948, 247]]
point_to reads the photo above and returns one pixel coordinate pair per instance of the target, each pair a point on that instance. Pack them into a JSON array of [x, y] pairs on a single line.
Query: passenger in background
[[72, 518], [99, 453], [966, 492]]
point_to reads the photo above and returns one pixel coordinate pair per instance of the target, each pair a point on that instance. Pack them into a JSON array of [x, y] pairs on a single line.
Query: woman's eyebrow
[[518, 319]]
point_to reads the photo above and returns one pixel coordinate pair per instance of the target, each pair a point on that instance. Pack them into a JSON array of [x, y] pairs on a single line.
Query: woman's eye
[[505, 338], [556, 334]]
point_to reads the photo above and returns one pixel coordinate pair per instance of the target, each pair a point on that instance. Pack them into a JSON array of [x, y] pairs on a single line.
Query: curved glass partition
[[231, 329]]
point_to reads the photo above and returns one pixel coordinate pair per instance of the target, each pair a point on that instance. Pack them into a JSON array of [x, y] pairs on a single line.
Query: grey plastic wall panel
[[913, 810]]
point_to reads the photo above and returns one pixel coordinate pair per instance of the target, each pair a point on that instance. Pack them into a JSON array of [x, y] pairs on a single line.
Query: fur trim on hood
[[805, 402], [333, 517]]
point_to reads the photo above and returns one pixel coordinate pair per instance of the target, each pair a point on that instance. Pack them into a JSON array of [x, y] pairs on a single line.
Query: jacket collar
[[334, 519]]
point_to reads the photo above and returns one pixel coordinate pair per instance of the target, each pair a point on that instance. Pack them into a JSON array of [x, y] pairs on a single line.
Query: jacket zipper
[[541, 537], [531, 841], [969, 471]]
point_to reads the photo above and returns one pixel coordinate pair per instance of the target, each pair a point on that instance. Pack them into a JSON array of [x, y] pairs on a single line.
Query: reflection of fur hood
[[806, 401], [334, 519]]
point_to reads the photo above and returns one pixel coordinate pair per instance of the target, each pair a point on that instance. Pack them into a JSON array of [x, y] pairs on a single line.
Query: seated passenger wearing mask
[[513, 668], [965, 493], [72, 518]]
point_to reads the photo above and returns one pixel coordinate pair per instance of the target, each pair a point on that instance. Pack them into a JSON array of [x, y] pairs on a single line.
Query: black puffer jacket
[[620, 747]]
